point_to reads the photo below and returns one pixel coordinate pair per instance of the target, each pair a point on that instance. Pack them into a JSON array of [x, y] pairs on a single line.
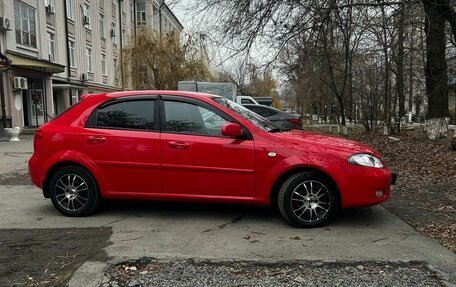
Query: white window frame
[[29, 32], [102, 26], [113, 27], [141, 15], [89, 59], [70, 9], [86, 12], [72, 48], [51, 46], [103, 64]]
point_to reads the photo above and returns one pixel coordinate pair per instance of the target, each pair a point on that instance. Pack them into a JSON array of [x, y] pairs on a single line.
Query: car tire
[[308, 199], [74, 192]]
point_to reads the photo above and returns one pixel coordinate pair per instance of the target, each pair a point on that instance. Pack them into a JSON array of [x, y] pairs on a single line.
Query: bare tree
[[160, 61]]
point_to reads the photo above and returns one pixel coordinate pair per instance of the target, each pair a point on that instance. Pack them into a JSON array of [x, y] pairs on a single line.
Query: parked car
[[281, 119], [184, 146]]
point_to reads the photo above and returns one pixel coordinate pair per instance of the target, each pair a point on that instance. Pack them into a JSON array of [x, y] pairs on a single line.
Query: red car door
[[197, 159], [123, 139]]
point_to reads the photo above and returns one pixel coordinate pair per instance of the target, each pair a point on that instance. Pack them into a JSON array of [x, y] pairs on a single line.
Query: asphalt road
[[212, 232]]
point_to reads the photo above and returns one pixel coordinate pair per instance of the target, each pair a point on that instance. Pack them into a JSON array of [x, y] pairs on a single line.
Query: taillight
[[297, 122], [38, 134]]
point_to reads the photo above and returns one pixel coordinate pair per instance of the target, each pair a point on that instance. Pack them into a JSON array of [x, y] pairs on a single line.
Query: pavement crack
[[115, 221], [233, 220]]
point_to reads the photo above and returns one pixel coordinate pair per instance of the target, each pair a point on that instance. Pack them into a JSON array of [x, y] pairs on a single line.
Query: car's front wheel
[[74, 191], [308, 199]]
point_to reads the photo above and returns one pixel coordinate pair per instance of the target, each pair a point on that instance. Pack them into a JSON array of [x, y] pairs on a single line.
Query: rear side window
[[137, 115]]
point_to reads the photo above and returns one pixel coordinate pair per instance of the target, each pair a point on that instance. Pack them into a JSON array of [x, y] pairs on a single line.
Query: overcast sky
[[193, 22]]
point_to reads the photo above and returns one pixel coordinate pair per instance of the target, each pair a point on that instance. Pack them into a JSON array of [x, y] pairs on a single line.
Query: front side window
[[254, 118], [24, 17], [187, 118], [137, 115]]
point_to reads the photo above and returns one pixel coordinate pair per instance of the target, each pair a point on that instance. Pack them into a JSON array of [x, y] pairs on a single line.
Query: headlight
[[365, 159]]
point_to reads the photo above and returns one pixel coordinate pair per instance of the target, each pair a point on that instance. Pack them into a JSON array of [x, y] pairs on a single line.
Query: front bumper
[[363, 186]]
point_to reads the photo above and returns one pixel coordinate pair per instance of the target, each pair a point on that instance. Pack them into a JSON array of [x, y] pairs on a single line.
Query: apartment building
[[53, 51]]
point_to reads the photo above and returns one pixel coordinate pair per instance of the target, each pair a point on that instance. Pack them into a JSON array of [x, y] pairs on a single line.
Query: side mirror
[[232, 130]]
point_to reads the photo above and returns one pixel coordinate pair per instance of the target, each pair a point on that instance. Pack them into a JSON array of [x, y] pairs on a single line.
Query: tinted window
[[138, 115], [188, 118], [262, 111], [246, 101]]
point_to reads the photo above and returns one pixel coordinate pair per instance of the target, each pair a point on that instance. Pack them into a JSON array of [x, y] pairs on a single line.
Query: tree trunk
[[436, 72], [400, 67]]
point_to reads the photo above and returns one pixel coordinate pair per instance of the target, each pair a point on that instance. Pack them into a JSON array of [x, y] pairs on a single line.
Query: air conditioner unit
[[20, 83], [50, 9], [84, 77], [5, 24], [113, 32], [86, 20]]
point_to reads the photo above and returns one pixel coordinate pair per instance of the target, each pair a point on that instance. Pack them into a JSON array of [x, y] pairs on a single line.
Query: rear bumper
[[35, 170]]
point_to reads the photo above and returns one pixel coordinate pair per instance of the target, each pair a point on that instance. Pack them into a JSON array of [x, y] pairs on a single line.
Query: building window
[[140, 13], [71, 45], [103, 64], [113, 32], [89, 59], [102, 25], [124, 37], [86, 13], [114, 64], [24, 17], [51, 46], [69, 8], [142, 75], [131, 12]]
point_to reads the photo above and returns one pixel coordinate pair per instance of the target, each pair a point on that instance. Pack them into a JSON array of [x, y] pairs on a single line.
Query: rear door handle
[[96, 139], [180, 145]]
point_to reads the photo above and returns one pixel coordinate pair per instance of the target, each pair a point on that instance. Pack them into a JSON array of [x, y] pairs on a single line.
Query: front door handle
[[179, 145], [96, 139]]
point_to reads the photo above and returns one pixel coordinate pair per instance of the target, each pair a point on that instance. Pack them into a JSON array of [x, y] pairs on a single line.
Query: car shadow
[[348, 217]]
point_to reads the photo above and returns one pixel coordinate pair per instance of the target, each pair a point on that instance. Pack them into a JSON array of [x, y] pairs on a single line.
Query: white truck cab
[[226, 90], [246, 100]]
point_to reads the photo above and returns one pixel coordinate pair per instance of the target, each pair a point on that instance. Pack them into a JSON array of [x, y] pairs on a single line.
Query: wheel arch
[[72, 159], [274, 191]]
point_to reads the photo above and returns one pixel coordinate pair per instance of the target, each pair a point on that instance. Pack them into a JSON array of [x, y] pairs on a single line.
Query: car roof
[[122, 94]]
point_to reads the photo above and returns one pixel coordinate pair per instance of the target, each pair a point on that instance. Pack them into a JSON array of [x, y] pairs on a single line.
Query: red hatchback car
[[182, 146]]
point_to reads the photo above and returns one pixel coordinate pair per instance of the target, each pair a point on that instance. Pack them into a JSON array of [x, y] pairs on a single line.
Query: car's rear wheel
[[308, 199], [74, 191]]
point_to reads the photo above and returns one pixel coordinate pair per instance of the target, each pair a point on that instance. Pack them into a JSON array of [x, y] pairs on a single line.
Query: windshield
[[256, 119]]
